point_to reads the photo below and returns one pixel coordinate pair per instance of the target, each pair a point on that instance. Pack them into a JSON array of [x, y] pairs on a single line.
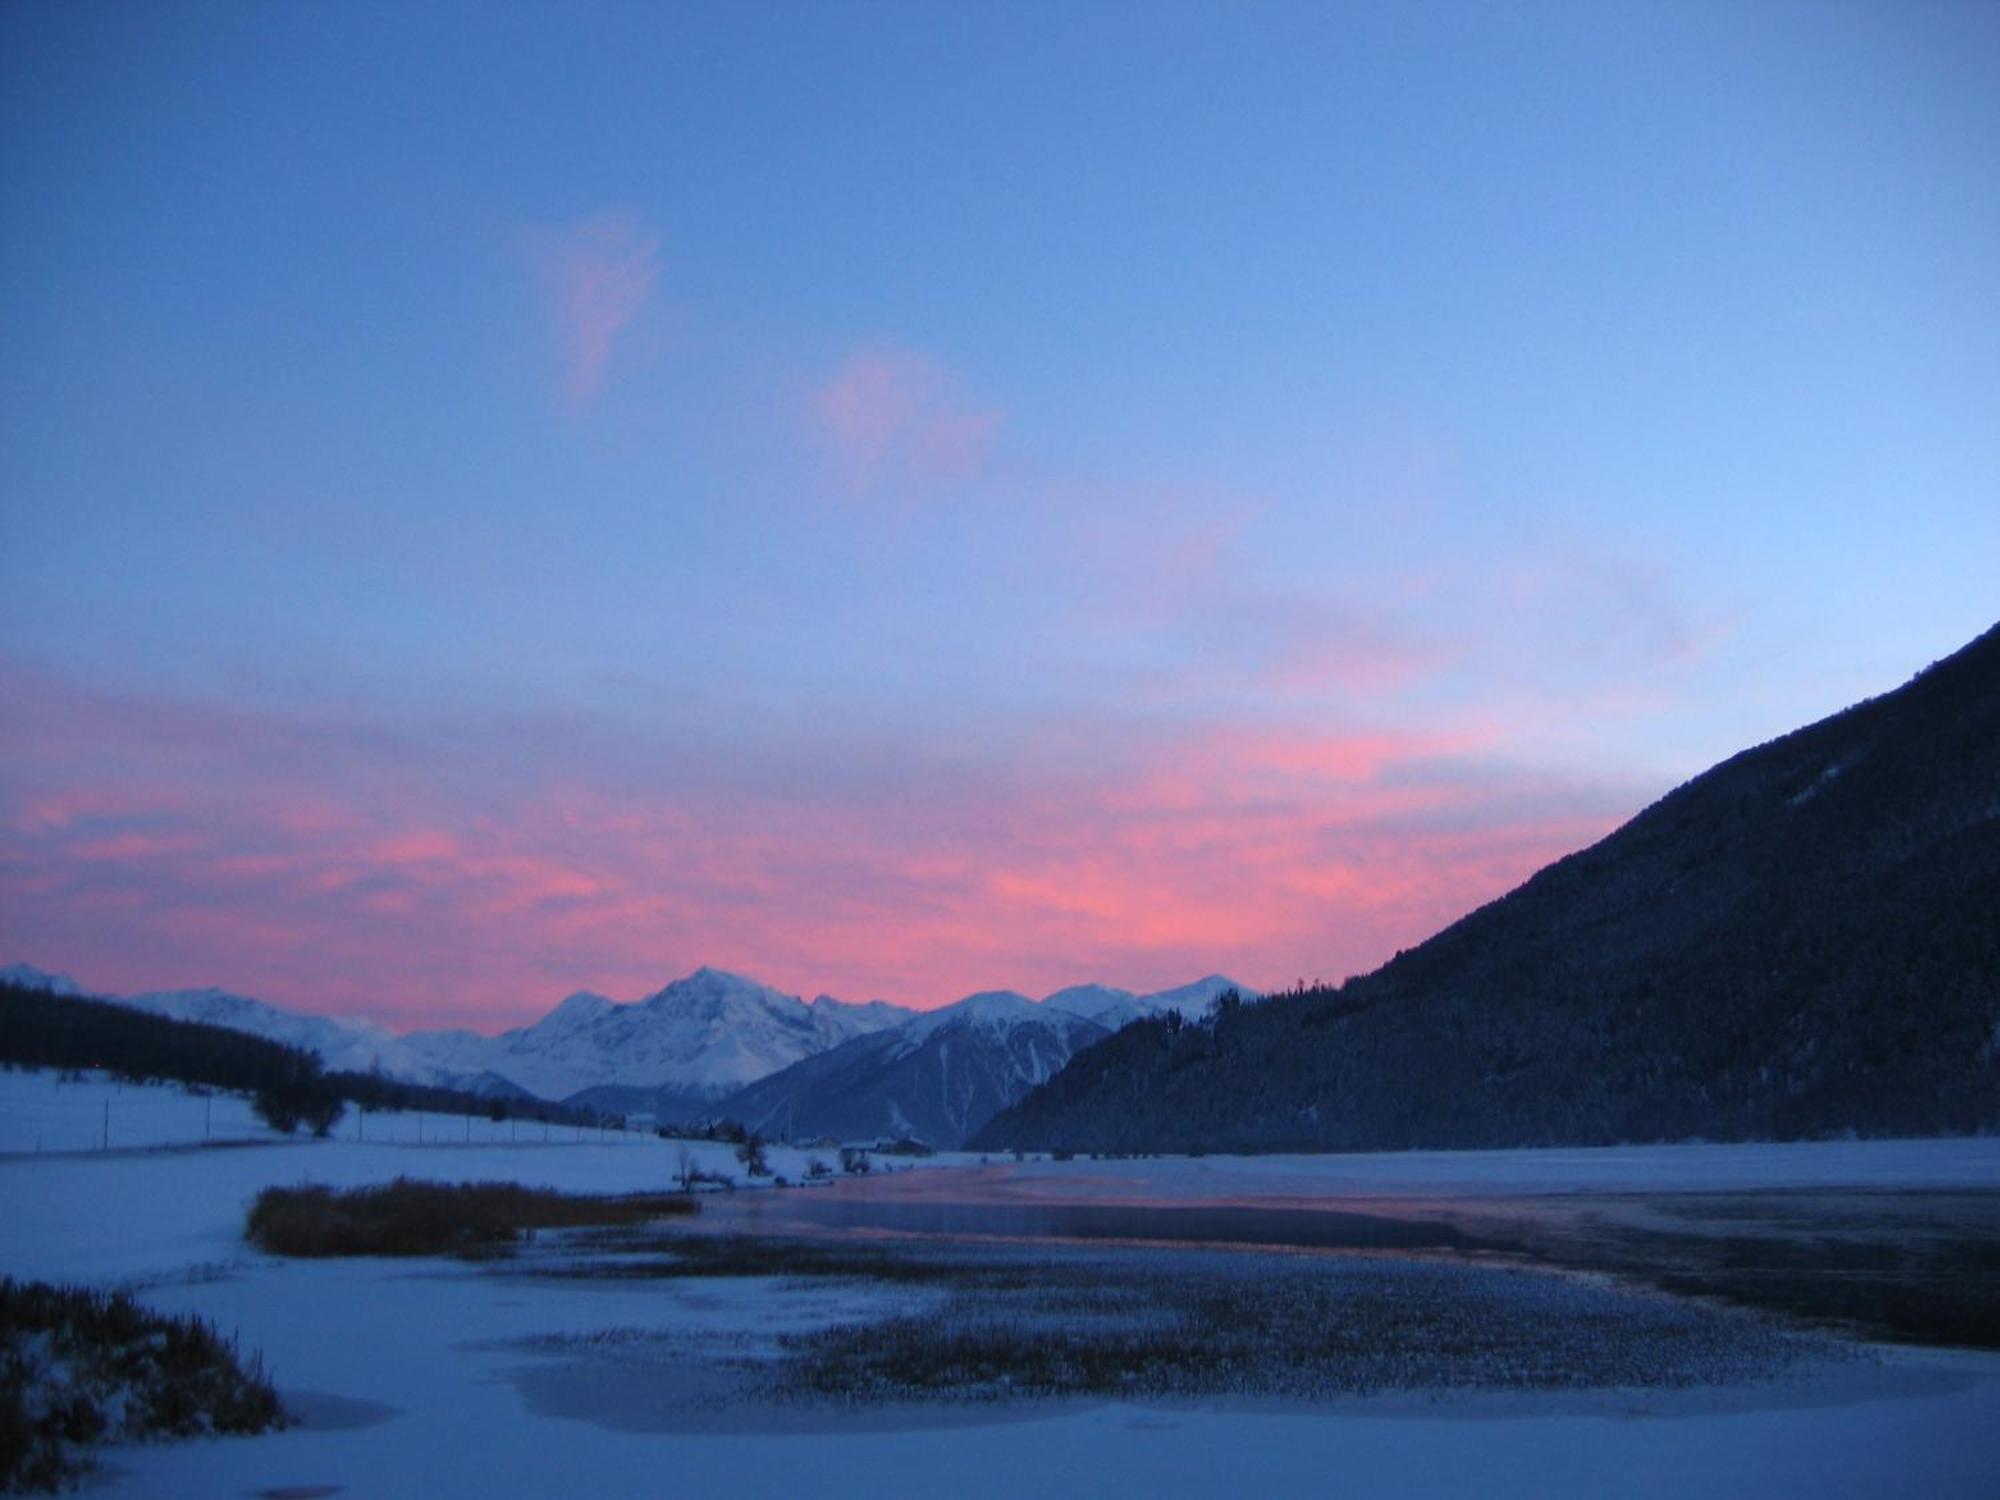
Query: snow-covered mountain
[[716, 1036], [942, 1074], [1114, 1008], [697, 1039], [700, 1037], [344, 1046], [28, 977]]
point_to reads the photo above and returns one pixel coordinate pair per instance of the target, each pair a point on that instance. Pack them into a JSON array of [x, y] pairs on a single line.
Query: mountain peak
[[28, 977], [710, 983], [578, 1009], [994, 1009], [709, 974]]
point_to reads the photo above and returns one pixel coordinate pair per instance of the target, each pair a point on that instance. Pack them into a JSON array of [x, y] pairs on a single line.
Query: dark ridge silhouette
[[1802, 941], [40, 1029], [43, 1030]]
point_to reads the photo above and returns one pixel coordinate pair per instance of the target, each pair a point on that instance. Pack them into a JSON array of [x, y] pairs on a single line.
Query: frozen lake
[[448, 1379]]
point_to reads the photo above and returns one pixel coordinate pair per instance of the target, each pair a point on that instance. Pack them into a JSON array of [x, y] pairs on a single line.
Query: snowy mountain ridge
[[702, 1037], [944, 1073], [31, 978]]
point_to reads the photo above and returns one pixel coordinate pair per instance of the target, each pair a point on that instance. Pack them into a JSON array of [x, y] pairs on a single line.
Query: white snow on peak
[[28, 977], [343, 1046], [579, 1009], [706, 1034], [850, 1019], [1091, 1000], [1194, 1000], [993, 1011], [990, 1008], [1112, 1008]]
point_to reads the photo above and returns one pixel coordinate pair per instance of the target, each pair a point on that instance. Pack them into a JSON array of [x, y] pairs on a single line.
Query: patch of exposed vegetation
[[79, 1367], [409, 1217], [1186, 1325], [1161, 1323]]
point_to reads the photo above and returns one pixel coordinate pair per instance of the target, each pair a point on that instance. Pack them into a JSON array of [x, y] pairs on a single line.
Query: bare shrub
[[79, 1366]]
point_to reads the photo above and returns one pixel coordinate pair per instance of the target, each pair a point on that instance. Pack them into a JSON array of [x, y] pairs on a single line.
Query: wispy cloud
[[1180, 579], [894, 419], [599, 276]]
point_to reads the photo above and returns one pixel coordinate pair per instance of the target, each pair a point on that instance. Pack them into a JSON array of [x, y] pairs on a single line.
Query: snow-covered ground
[[416, 1377], [181, 1170], [41, 1114]]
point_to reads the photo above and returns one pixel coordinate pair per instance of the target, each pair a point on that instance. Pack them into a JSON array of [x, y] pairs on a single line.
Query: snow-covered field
[[41, 1114], [417, 1378]]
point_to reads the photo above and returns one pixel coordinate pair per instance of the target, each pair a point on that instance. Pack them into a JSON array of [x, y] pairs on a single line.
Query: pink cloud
[[600, 275], [1179, 575], [432, 898], [415, 846], [892, 418], [71, 805], [127, 846]]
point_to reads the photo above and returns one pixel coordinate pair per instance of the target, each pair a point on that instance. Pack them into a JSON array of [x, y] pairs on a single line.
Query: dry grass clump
[[409, 1217], [78, 1367]]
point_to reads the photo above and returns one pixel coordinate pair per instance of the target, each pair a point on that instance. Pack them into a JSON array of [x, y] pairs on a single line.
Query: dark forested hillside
[[1804, 940], [41, 1029]]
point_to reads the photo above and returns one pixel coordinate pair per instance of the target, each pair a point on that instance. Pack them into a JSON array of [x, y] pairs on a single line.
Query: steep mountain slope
[[1804, 939], [936, 1078], [942, 1074]]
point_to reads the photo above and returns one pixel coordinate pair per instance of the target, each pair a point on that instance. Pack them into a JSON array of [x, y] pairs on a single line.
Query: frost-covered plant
[[79, 1366]]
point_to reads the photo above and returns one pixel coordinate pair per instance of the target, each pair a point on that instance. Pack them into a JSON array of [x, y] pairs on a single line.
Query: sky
[[899, 500]]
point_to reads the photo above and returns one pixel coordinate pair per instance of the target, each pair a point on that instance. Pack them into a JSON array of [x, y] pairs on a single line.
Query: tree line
[[288, 1086]]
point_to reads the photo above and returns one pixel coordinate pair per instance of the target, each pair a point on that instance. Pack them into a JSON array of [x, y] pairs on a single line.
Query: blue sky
[[901, 499]]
